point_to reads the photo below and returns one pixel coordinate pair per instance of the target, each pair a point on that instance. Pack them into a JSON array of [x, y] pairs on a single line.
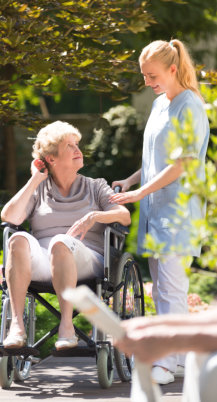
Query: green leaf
[[86, 63], [7, 41]]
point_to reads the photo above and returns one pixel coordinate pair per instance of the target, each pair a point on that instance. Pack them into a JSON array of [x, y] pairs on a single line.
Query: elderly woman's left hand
[[82, 226]]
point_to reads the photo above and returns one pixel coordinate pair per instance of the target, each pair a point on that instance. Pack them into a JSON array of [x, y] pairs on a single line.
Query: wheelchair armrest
[[9, 228], [120, 228], [15, 228]]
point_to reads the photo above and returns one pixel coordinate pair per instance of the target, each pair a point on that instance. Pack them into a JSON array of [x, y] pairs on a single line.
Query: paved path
[[61, 379]]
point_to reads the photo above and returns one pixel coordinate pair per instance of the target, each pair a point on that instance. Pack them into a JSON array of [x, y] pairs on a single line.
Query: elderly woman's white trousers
[[88, 262]]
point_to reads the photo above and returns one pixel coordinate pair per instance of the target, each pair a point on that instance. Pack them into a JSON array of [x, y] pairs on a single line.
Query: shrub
[[204, 285]]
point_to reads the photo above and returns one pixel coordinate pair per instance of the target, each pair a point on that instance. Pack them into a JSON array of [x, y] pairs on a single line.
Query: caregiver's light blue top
[[156, 211]]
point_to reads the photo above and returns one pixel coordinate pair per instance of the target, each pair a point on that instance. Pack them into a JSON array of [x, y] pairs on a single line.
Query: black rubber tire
[[6, 371], [22, 368], [104, 368], [13, 368], [128, 302]]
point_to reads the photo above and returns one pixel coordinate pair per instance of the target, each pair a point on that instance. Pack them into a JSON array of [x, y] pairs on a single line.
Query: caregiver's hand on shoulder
[[124, 198]]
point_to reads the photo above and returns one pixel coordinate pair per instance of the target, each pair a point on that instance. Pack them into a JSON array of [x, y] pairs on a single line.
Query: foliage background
[[81, 56]]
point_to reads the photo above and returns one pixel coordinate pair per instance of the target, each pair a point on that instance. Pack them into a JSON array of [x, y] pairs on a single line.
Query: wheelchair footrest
[[25, 351], [79, 351]]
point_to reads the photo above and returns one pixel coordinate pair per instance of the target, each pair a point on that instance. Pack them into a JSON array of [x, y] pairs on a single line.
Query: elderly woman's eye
[[73, 146]]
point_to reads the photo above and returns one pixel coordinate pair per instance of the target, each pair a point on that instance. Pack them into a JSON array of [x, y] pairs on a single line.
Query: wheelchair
[[121, 287]]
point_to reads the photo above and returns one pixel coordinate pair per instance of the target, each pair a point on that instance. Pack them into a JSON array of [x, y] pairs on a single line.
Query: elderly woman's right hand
[[37, 166]]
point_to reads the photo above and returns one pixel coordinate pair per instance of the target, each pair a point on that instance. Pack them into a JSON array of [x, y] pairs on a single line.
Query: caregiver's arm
[[162, 179], [125, 184]]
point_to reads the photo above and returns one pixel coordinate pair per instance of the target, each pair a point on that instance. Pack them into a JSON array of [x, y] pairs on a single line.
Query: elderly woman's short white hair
[[49, 137]]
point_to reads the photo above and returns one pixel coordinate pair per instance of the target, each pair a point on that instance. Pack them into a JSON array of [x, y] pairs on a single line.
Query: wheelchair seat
[[47, 287]]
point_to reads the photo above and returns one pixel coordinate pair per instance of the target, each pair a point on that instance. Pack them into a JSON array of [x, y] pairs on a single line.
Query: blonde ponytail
[[173, 52], [186, 71]]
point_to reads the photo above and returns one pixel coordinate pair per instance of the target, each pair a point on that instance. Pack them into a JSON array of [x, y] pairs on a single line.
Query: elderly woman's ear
[[49, 159]]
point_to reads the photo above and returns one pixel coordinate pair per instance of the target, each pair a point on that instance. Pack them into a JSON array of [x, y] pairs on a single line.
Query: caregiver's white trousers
[[170, 288]]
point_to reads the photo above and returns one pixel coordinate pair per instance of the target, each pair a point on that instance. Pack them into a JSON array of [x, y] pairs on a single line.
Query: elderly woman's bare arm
[[15, 209], [116, 214]]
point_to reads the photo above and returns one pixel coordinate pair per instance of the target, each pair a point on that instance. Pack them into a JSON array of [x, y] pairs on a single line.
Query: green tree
[[188, 20], [80, 44], [51, 47], [116, 148], [72, 40], [48, 47]]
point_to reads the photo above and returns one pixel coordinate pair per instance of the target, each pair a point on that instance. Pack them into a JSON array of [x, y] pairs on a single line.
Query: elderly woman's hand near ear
[[39, 169]]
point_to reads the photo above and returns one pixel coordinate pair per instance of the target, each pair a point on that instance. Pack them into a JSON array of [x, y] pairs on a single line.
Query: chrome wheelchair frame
[[121, 285]]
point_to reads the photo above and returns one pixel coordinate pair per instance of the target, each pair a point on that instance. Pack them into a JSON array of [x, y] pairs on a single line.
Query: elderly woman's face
[[69, 154]]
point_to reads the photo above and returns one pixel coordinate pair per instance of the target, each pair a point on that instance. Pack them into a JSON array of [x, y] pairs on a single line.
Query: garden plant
[[81, 45]]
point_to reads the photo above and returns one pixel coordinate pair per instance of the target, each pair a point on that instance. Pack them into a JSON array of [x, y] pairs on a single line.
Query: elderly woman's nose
[[77, 149]]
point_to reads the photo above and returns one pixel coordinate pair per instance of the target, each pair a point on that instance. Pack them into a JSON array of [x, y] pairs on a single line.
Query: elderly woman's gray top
[[51, 213]]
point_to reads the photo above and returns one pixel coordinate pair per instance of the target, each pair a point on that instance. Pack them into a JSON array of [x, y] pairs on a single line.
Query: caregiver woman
[[169, 71]]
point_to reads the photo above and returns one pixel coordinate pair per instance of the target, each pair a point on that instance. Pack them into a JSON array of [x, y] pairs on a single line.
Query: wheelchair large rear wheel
[[128, 302]]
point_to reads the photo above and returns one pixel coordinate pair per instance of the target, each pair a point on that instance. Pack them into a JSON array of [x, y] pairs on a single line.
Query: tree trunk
[[9, 149]]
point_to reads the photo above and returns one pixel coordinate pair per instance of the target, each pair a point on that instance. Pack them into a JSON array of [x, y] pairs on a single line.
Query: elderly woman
[[67, 213]]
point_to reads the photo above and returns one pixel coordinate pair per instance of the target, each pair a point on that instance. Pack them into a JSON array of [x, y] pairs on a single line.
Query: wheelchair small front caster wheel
[[6, 371], [105, 368]]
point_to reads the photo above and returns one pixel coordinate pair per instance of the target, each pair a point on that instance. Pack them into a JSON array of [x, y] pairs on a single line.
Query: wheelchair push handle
[[117, 189]]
